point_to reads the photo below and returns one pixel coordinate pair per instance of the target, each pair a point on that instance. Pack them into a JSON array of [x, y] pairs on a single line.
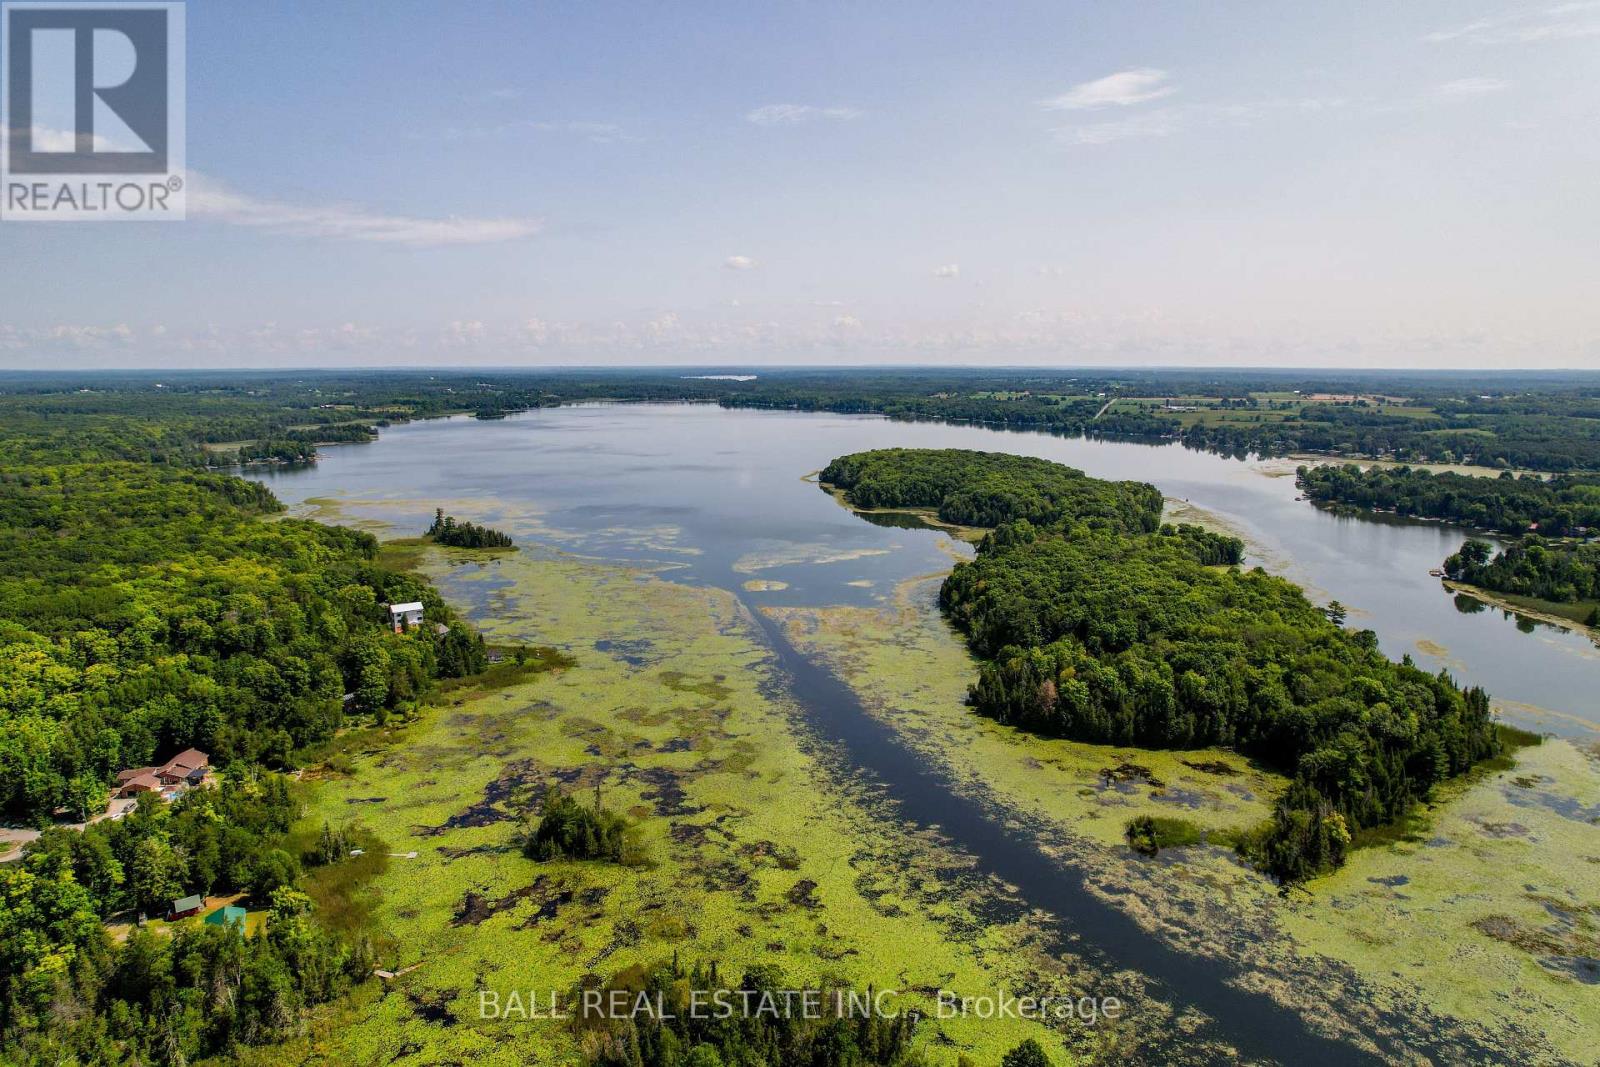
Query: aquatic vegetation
[[1149, 834], [1385, 948], [790, 554], [752, 852]]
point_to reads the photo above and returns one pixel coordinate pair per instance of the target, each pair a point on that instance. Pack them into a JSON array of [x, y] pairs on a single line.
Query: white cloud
[[1558, 23], [1121, 89], [213, 201], [1158, 123], [1164, 121], [791, 114], [949, 270], [464, 332], [739, 263], [1463, 88]]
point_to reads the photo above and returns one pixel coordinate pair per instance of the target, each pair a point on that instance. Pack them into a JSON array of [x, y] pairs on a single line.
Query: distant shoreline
[[1495, 600]]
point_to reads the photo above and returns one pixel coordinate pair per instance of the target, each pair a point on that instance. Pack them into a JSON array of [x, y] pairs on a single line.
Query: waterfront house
[[405, 616]]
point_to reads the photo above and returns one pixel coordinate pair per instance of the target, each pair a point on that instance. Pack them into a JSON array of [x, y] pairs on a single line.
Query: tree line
[[1558, 572], [1150, 636], [1545, 421], [149, 605], [1561, 506], [148, 609]]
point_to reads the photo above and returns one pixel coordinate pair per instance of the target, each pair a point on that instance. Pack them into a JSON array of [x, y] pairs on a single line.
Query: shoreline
[[1496, 601]]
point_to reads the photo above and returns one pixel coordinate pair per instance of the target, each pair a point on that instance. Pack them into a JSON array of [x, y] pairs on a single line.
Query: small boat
[[1436, 573]]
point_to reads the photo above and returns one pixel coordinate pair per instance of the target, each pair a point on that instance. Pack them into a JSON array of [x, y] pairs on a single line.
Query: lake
[[721, 497], [728, 498]]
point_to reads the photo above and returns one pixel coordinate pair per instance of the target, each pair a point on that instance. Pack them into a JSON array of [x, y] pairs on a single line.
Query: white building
[[405, 616]]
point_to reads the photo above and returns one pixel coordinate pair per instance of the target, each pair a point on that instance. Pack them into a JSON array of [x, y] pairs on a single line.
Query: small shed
[[405, 616], [227, 915], [186, 906]]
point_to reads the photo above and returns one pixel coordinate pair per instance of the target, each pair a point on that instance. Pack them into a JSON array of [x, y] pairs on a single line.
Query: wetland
[[761, 680]]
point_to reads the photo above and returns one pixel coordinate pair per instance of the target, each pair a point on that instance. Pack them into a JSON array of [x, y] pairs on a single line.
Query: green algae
[[1476, 925], [913, 670], [752, 849]]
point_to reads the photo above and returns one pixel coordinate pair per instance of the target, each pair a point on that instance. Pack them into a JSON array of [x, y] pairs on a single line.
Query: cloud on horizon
[[214, 202], [793, 114]]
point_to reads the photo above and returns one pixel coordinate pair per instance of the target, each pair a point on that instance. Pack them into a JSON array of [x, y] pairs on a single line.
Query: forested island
[[1560, 506], [446, 530], [1096, 622]]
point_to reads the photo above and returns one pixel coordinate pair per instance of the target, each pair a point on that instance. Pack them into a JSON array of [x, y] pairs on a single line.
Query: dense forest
[[446, 530], [1557, 507], [147, 609], [149, 605], [68, 993], [988, 488], [1532, 567], [1132, 633]]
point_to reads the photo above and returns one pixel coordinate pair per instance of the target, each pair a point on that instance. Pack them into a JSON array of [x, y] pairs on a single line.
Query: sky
[[1350, 184]]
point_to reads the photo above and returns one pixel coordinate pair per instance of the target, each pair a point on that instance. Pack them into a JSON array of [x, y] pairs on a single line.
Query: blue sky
[[1339, 184]]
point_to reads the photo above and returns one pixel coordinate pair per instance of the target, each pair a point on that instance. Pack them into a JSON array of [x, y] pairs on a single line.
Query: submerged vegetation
[[1127, 633]]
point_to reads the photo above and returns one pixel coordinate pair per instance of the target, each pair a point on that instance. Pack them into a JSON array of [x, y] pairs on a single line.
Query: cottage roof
[[188, 903], [189, 759], [401, 609]]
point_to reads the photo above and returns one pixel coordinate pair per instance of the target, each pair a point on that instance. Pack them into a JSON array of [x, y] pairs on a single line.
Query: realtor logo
[[93, 111]]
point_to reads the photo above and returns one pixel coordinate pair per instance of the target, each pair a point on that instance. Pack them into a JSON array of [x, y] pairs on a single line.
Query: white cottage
[[405, 616]]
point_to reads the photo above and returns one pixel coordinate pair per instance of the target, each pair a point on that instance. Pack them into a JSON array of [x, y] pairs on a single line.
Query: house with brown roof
[[141, 780], [188, 768]]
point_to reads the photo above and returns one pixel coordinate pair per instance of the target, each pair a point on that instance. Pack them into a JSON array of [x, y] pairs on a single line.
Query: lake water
[[723, 498], [721, 495]]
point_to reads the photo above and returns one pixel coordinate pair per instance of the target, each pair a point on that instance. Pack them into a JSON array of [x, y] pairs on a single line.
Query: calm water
[[721, 498], [720, 495]]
